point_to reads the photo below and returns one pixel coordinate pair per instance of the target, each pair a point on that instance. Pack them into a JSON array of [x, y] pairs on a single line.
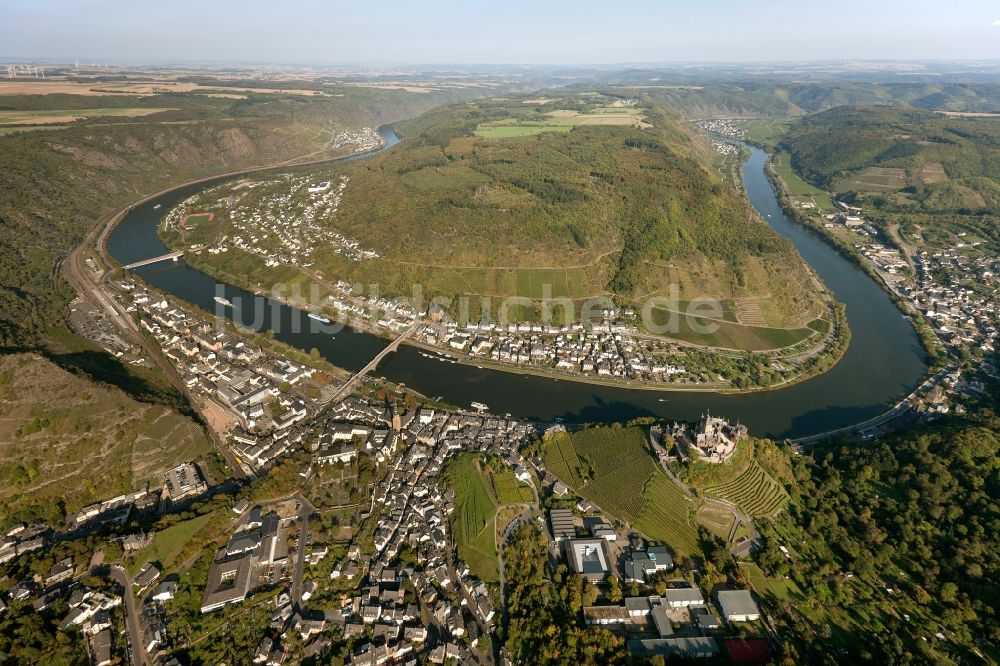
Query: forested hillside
[[744, 96], [499, 197], [894, 544], [58, 183], [831, 145]]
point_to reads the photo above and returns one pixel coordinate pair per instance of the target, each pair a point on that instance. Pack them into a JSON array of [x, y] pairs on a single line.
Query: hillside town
[[403, 594]]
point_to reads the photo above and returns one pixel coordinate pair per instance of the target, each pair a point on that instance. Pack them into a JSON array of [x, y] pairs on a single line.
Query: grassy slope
[[66, 441]]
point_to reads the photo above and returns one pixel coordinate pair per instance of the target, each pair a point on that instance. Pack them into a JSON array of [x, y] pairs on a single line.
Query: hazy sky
[[500, 31]]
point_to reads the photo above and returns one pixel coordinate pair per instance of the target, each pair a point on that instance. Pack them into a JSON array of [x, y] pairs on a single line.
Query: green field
[[797, 187], [479, 493], [730, 335], [667, 515], [58, 116], [766, 131], [608, 466], [168, 543], [557, 121], [754, 491], [779, 588], [508, 490], [196, 219]]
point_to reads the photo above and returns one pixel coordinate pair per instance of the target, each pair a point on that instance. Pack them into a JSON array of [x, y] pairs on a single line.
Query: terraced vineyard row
[[620, 492], [666, 515], [754, 491]]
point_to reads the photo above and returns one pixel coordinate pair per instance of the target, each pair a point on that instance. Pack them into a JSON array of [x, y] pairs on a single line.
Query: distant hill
[[745, 96], [931, 148], [936, 175], [499, 197]]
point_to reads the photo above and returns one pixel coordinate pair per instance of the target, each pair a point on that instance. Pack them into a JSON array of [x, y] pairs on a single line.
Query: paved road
[[86, 283], [306, 509], [899, 409], [118, 574]]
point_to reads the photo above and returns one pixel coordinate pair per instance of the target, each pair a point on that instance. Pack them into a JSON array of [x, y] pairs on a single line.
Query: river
[[883, 363]]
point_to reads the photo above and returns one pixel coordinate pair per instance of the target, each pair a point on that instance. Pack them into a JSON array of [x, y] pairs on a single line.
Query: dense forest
[[741, 96], [898, 540], [545, 614]]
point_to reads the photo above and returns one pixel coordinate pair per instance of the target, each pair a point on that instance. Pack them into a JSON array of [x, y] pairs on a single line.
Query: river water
[[883, 363]]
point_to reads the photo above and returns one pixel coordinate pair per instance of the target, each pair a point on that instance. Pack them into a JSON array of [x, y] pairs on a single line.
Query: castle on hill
[[714, 440]]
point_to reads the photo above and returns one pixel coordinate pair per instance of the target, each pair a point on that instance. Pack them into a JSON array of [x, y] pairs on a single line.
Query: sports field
[[196, 219]]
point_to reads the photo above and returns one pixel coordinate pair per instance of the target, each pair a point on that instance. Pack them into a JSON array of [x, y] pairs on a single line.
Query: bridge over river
[[154, 260], [882, 366]]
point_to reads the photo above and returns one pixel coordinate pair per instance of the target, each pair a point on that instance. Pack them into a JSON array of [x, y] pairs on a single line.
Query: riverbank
[[883, 361], [835, 344], [929, 341]]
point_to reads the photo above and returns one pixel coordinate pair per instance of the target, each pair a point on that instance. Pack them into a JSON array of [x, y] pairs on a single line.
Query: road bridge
[[154, 260], [356, 379]]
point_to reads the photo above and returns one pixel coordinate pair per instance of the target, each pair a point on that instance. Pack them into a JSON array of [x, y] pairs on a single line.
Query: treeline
[[741, 97]]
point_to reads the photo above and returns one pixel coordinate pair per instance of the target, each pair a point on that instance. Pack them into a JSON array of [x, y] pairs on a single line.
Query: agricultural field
[[608, 466], [507, 489], [754, 491], [766, 131], [667, 515], [876, 178], [63, 116], [730, 335], [624, 480], [559, 121], [561, 459], [798, 187]]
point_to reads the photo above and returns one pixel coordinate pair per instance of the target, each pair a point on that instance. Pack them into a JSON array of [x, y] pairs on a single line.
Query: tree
[[614, 589]]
